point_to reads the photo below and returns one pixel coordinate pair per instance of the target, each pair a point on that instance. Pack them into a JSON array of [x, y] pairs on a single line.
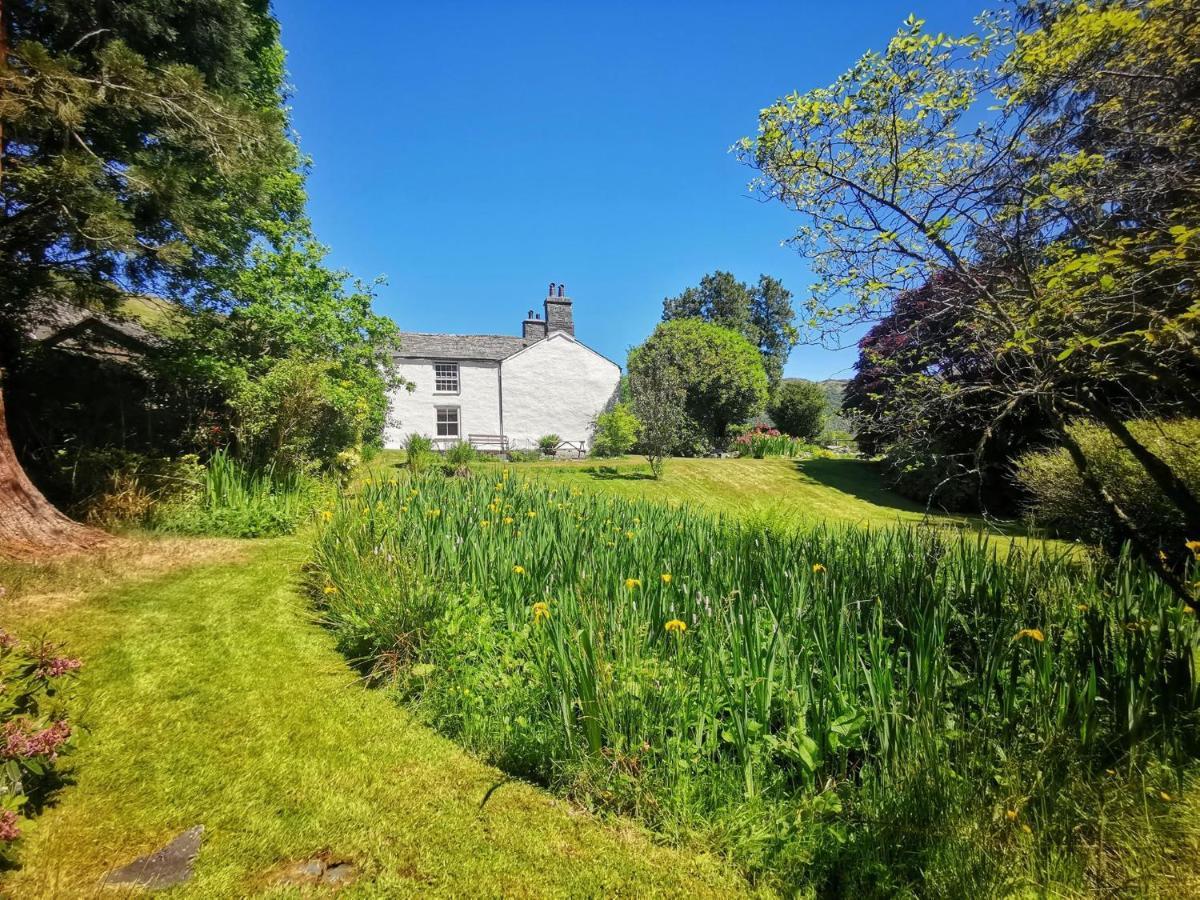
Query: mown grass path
[[211, 697]]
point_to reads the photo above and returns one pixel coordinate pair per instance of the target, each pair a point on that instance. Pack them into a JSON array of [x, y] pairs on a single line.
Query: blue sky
[[474, 152]]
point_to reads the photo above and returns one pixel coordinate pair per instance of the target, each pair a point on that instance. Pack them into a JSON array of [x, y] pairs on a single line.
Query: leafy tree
[[762, 314], [1068, 218], [616, 431], [798, 408], [659, 397], [721, 374], [143, 146]]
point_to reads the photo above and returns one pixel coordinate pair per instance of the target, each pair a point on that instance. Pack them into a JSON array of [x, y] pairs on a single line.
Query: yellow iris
[[676, 626], [666, 577], [817, 567], [484, 523], [518, 570], [541, 612], [433, 513], [330, 589], [1031, 633], [508, 520], [631, 583], [531, 514], [1194, 546], [327, 515]]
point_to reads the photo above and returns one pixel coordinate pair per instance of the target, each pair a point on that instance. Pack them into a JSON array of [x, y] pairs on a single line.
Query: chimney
[[533, 328], [558, 311]]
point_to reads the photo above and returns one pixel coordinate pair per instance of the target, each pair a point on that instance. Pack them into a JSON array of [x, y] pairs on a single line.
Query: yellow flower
[[413, 492], [631, 583], [327, 515], [541, 612], [330, 589], [629, 534], [531, 514], [666, 577], [1027, 829], [403, 508], [1166, 798], [1194, 546], [1162, 557], [433, 513], [1011, 815], [508, 520], [817, 567], [499, 485], [1188, 611], [1033, 633], [484, 523], [518, 570], [676, 625], [1082, 607]]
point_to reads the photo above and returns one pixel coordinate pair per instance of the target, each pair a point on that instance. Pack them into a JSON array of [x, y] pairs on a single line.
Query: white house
[[481, 387]]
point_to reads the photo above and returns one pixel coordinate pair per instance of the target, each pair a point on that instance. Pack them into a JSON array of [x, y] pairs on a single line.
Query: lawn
[[782, 491], [209, 696]]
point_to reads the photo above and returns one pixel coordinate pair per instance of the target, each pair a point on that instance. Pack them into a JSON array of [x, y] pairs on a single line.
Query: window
[[445, 378], [447, 422]]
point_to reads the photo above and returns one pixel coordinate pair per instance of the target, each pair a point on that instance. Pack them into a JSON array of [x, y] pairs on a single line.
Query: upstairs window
[[445, 378], [447, 422]]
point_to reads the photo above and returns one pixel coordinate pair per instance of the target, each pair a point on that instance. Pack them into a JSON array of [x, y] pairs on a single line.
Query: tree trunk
[[29, 525]]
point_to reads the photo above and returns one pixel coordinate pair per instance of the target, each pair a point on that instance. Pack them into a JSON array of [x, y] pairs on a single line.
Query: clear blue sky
[[474, 152]]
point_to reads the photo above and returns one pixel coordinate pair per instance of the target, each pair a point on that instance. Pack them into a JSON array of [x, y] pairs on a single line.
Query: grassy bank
[[211, 697], [842, 710]]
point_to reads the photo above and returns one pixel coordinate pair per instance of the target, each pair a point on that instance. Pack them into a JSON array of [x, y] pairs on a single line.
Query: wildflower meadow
[[876, 707]]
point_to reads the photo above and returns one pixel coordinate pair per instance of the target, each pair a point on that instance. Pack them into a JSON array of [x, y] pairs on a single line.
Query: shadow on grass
[[858, 477], [611, 473]]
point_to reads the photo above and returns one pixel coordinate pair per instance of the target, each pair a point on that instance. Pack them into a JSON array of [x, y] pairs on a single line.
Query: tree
[[762, 314], [143, 146], [798, 408], [659, 397], [1067, 219], [616, 431], [721, 375]]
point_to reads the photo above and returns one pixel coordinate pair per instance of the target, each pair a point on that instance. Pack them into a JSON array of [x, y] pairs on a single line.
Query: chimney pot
[[560, 289]]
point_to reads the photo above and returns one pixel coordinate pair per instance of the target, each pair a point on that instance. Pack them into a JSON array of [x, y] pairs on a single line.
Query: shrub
[[232, 500], [458, 458], [548, 443], [35, 683], [523, 456], [119, 487], [798, 409], [1060, 502], [763, 441], [615, 431], [840, 707], [417, 452]]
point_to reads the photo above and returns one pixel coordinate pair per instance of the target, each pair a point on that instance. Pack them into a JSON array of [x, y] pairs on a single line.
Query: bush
[[458, 458], [233, 500], [115, 488], [548, 443], [1060, 502], [762, 441], [417, 452], [35, 682], [523, 456], [615, 431], [798, 409]]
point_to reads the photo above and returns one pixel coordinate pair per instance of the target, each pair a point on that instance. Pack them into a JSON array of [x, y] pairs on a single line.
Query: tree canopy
[[761, 313]]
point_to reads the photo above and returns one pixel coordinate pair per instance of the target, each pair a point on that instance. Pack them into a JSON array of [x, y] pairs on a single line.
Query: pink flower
[[9, 831], [60, 665], [20, 741]]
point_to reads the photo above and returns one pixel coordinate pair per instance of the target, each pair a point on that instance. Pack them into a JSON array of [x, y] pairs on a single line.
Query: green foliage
[[719, 372], [762, 442], [418, 450], [615, 432], [659, 398], [835, 707], [523, 456], [458, 458], [798, 408], [548, 443], [233, 500], [762, 314], [34, 729], [1059, 500]]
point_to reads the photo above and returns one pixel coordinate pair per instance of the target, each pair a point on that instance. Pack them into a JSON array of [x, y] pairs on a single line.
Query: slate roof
[[422, 345]]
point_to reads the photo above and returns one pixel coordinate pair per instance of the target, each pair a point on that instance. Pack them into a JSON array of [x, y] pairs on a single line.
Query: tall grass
[[234, 500], [847, 709]]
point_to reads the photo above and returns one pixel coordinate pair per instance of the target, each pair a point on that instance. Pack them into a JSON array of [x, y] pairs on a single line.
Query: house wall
[[556, 386], [478, 399]]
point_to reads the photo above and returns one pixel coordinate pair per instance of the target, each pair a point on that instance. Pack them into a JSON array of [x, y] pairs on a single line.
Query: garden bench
[[495, 443]]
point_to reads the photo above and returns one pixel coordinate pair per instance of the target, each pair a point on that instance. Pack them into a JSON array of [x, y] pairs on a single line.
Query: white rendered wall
[[556, 386], [478, 399]]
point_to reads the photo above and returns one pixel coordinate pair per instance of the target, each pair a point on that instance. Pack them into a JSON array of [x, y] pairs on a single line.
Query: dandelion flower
[[817, 567], [631, 583], [1031, 633], [541, 611], [676, 626], [666, 577], [518, 570]]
